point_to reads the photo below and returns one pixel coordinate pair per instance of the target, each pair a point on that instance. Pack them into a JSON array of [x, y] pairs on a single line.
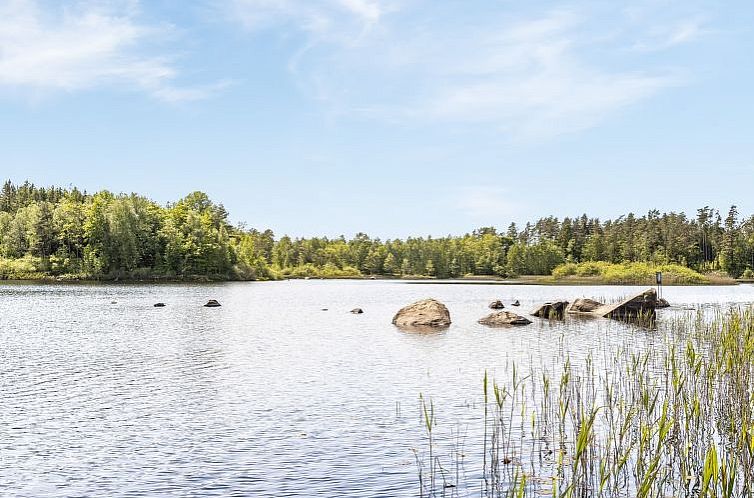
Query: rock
[[584, 305], [357, 311], [159, 305], [516, 303], [425, 314], [639, 308], [113, 302], [497, 305], [324, 309], [662, 303], [554, 310], [504, 318], [212, 303]]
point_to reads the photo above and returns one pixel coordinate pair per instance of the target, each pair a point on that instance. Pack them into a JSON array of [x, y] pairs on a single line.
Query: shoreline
[[540, 280]]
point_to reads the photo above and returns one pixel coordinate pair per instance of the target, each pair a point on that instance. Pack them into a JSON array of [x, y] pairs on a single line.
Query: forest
[[68, 233]]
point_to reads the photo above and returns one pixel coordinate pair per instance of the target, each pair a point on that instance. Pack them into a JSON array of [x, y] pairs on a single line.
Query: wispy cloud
[[85, 45], [676, 33], [341, 19], [531, 76]]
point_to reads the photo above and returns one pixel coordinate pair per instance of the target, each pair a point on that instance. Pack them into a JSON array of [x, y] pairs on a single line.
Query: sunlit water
[[101, 394]]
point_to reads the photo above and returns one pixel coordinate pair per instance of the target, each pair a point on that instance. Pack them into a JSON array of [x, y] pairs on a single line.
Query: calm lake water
[[101, 394]]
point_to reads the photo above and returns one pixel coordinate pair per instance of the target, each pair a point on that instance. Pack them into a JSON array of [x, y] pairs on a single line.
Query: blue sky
[[394, 117]]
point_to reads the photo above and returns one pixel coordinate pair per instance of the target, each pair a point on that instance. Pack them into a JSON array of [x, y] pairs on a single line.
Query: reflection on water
[[104, 395]]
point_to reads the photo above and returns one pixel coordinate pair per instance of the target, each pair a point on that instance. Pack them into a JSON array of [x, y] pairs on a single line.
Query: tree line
[[65, 231]]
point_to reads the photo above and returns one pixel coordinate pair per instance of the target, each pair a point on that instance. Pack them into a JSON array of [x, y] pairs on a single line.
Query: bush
[[328, 271], [630, 273]]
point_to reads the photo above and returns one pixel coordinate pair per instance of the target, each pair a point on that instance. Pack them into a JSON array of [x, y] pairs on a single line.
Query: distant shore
[[543, 280]]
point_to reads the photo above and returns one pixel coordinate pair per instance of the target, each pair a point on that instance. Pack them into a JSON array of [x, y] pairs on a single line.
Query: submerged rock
[[357, 311], [425, 314], [212, 303], [516, 303], [553, 310], [504, 318], [497, 305], [159, 305]]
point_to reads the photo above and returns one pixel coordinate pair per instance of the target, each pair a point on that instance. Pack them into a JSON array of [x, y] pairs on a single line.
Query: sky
[[390, 117]]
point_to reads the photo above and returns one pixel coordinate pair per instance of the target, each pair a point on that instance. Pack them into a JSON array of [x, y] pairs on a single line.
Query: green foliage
[[111, 236], [535, 259]]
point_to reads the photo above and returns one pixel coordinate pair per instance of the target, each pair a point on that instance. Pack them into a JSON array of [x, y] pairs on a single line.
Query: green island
[[68, 234]]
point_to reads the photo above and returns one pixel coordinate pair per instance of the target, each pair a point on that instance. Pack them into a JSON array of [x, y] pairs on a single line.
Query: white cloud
[[531, 76], [87, 45]]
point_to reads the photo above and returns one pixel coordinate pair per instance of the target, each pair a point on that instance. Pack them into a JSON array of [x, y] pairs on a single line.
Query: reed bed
[[675, 419]]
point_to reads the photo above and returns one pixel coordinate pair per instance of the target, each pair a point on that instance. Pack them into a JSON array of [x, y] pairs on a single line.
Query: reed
[[674, 420]]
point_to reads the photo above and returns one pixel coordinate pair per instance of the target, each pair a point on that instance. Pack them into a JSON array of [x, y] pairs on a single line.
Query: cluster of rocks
[[430, 314], [640, 307]]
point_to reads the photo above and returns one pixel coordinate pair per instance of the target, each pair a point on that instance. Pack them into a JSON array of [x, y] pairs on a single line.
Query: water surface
[[104, 395]]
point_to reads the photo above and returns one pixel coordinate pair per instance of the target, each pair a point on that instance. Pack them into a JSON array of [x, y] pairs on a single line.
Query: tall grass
[[676, 419]]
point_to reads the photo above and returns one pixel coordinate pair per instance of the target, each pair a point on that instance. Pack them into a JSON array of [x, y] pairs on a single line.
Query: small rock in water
[[357, 311], [584, 305], [516, 303], [497, 305], [159, 305], [324, 309], [504, 318], [212, 303], [662, 303], [113, 302]]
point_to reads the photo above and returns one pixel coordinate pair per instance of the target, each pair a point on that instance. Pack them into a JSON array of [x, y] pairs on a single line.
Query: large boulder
[[502, 318], [639, 308], [584, 305], [425, 314], [497, 305], [553, 310]]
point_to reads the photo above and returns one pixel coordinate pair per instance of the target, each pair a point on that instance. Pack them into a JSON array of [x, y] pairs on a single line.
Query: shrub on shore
[[630, 273], [25, 268]]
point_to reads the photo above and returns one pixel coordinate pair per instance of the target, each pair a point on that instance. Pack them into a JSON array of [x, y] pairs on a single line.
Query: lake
[[269, 395]]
